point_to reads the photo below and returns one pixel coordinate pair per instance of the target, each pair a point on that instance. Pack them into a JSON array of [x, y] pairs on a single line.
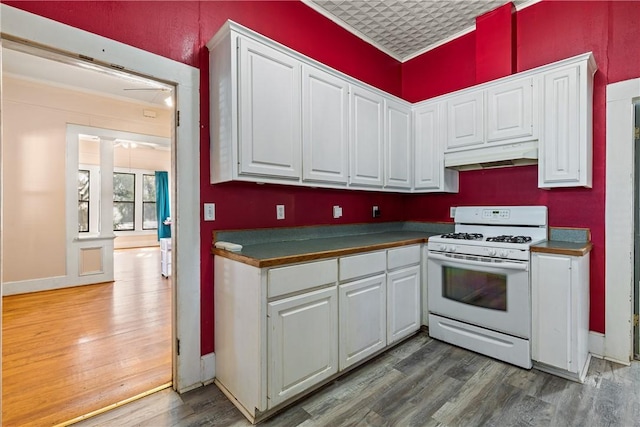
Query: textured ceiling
[[406, 28]]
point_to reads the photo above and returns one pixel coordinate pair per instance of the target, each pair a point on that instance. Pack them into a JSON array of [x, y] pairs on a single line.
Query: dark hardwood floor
[[421, 382], [69, 352]]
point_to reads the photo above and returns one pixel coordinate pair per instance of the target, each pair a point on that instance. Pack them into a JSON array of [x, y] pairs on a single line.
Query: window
[[134, 201], [124, 197], [149, 216], [83, 200]]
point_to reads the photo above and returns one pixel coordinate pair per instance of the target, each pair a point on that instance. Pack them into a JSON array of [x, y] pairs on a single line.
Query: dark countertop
[[563, 248], [281, 246], [289, 252]]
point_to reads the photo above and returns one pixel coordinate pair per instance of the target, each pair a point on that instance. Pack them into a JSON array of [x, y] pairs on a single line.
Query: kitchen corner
[[345, 293]]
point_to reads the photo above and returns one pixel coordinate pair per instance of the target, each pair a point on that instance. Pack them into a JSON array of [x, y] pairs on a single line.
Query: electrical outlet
[[279, 211], [337, 211], [209, 211], [376, 212], [452, 212]]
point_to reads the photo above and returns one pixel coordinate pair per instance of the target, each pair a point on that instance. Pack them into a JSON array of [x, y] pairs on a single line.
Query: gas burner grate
[[463, 236], [509, 239]]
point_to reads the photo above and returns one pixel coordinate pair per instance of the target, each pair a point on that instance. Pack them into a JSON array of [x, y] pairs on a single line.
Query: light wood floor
[[69, 352], [422, 382]]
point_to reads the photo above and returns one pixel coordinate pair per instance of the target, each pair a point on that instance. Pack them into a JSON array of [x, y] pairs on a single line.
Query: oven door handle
[[502, 265]]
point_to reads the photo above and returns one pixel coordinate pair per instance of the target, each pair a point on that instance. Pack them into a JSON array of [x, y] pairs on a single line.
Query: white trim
[[186, 208], [619, 223], [596, 344], [208, 368], [36, 285]]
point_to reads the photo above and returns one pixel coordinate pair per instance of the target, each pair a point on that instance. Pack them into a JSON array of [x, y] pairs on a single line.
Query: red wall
[[546, 32], [180, 30]]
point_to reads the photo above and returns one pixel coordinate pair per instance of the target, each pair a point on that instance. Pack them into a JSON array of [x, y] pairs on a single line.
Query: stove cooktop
[[504, 238], [509, 239], [463, 236]]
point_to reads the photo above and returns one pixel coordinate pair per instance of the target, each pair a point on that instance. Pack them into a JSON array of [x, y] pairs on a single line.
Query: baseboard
[[48, 284], [596, 344], [207, 368]]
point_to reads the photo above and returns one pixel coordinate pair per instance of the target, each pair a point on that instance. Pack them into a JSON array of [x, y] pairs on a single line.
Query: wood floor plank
[[422, 383], [72, 351]]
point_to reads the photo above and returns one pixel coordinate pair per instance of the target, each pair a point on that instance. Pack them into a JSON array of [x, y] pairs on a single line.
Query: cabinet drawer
[[300, 277], [400, 257], [362, 265]]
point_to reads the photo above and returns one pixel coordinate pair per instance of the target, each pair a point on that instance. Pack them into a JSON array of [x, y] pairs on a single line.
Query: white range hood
[[493, 156]]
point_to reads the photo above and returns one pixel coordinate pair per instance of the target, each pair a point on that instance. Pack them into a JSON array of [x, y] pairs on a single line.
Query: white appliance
[[165, 256], [479, 285]]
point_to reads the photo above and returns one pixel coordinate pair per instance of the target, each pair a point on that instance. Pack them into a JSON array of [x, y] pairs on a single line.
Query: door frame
[[619, 220], [636, 239], [43, 32]]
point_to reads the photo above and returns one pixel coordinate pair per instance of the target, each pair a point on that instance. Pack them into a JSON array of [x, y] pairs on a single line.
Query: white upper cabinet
[[510, 110], [465, 120], [270, 123], [325, 130], [429, 134], [278, 116], [398, 145], [566, 143], [366, 137]]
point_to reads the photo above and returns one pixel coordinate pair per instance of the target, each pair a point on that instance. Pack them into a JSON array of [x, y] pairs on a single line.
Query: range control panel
[[496, 214], [501, 215]]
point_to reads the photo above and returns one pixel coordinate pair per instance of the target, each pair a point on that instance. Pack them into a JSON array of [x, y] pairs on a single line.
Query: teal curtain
[[163, 209]]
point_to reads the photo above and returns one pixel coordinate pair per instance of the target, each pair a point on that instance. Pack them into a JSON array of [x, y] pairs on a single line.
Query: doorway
[[35, 30], [39, 165]]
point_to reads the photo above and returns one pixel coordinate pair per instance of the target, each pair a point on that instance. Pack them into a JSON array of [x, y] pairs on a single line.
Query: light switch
[[209, 211]]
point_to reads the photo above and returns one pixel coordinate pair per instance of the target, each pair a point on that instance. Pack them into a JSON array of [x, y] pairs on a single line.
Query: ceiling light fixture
[[169, 101]]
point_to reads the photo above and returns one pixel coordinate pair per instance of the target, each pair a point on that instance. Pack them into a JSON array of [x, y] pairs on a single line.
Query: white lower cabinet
[[560, 314], [403, 292], [403, 303], [302, 340], [282, 331], [363, 319]]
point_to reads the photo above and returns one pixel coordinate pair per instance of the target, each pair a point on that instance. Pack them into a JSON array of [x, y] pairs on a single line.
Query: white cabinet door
[[465, 120], [270, 122], [560, 146], [366, 137], [362, 319], [429, 148], [560, 314], [403, 303], [551, 302], [510, 110], [302, 341], [325, 118], [429, 134], [398, 146]]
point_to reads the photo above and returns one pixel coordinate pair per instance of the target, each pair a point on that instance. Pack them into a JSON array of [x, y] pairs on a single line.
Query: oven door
[[486, 292]]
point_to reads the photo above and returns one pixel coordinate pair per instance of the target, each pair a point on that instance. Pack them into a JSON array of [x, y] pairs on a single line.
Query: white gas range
[[479, 287]]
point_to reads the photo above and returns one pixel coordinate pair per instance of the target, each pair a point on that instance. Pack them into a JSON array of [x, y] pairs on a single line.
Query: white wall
[[34, 144]]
